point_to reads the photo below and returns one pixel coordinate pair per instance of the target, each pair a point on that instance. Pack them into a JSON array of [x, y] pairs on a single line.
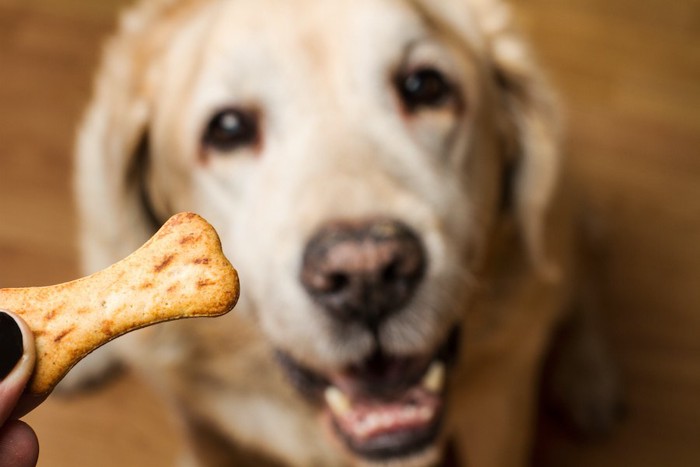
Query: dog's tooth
[[337, 401], [434, 379]]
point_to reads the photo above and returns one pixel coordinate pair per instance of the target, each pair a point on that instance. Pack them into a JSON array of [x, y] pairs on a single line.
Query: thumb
[[17, 356]]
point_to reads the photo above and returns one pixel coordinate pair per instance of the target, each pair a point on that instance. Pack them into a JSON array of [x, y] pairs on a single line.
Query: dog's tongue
[[364, 417], [367, 418]]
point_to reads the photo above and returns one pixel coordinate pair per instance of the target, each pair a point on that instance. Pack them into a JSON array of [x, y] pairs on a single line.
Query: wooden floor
[[629, 73]]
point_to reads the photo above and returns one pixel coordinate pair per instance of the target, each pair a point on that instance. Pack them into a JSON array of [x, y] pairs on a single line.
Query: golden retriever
[[386, 177]]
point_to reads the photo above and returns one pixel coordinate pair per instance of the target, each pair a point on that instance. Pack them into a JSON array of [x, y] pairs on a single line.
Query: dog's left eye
[[231, 129], [423, 88]]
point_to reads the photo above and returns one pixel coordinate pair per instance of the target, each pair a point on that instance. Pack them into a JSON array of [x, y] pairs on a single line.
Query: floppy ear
[[530, 121], [110, 145], [534, 124]]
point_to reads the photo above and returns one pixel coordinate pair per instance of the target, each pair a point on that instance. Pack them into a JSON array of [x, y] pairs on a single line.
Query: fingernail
[[11, 345]]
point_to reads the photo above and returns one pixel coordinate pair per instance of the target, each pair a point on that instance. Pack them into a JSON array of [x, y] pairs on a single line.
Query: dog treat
[[180, 272]]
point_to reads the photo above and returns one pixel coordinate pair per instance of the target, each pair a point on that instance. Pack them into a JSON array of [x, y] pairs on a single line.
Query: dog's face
[[346, 160], [351, 155]]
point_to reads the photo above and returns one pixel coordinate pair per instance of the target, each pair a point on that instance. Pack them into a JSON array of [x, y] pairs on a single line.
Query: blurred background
[[629, 74]]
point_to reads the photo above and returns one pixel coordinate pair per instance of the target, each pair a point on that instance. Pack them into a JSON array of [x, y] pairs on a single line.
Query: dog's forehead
[[320, 30]]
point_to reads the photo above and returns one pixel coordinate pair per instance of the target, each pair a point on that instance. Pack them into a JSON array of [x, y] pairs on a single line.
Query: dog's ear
[[529, 120], [531, 123], [112, 140]]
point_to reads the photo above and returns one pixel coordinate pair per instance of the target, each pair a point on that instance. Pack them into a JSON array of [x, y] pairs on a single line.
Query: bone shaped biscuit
[[180, 272]]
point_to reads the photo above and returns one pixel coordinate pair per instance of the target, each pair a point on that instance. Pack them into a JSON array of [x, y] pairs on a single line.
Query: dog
[[387, 177]]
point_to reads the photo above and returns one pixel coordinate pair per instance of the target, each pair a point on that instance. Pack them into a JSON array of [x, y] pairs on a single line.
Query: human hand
[[18, 443]]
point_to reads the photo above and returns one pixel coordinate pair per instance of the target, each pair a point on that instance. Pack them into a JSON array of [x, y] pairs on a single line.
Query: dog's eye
[[231, 129], [423, 88]]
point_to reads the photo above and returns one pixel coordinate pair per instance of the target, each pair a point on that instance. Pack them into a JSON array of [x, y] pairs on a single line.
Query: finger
[[27, 403], [19, 446], [17, 356]]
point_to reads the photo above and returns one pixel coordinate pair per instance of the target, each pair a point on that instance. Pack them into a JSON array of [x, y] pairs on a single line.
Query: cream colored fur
[[334, 146]]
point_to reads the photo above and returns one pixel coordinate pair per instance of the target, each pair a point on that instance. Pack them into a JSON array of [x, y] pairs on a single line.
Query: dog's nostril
[[337, 282], [390, 273], [363, 271]]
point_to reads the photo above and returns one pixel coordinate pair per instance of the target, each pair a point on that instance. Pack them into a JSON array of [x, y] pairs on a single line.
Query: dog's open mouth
[[385, 423], [385, 407]]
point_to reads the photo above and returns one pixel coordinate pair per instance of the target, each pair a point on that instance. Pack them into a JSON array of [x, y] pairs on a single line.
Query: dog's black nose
[[363, 271]]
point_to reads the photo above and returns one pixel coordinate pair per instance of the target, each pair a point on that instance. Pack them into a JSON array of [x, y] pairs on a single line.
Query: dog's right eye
[[231, 129]]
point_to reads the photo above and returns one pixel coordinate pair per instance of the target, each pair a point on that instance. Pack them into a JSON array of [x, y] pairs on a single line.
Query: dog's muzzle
[[382, 406]]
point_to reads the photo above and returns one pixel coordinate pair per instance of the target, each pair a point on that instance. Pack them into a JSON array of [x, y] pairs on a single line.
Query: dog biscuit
[[180, 272]]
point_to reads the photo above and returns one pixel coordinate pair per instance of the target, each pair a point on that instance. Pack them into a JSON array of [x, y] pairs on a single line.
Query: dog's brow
[[408, 50]]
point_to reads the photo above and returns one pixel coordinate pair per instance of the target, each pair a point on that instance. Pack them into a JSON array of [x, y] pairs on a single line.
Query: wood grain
[[628, 72]]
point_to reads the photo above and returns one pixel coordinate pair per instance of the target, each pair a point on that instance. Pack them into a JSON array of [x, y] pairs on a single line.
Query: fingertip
[[17, 351], [11, 344], [16, 341], [17, 358], [19, 446]]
